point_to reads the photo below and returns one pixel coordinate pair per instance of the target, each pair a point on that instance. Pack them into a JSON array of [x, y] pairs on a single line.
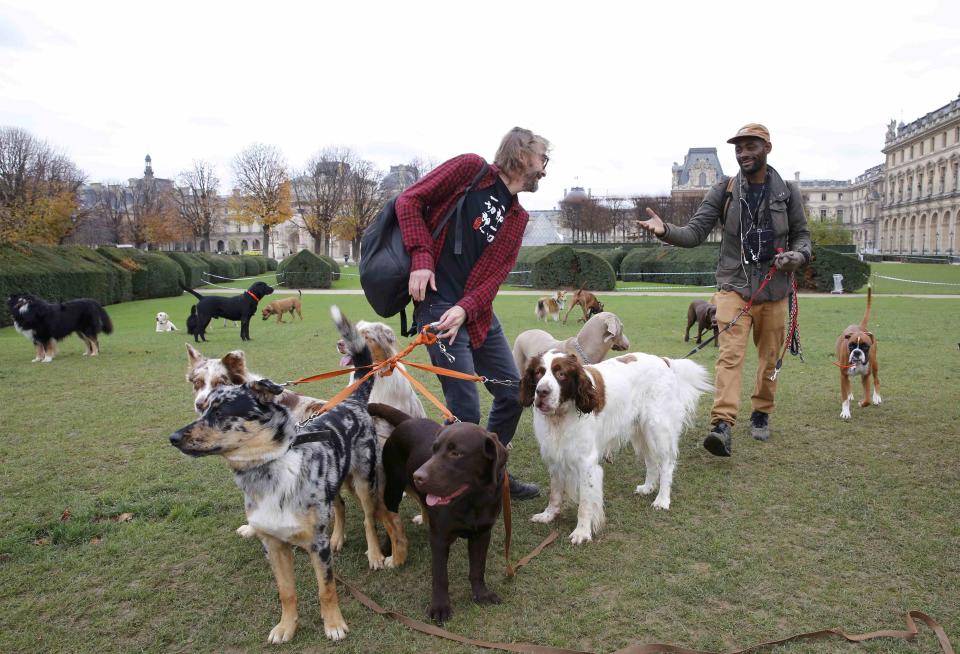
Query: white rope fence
[[914, 281]]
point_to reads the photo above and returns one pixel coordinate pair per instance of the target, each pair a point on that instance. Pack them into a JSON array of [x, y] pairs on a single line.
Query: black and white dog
[[290, 476], [239, 307], [45, 323]]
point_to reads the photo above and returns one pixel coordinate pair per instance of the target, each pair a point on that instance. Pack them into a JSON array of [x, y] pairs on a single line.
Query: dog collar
[[255, 298], [576, 344], [311, 437]]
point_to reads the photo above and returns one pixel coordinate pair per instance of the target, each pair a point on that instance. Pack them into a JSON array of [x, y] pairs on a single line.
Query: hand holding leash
[[788, 261], [450, 323]]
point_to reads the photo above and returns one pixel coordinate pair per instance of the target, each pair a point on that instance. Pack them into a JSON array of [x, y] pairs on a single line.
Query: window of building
[[919, 184], [911, 153], [839, 196], [921, 147], [943, 140], [956, 135], [839, 215], [823, 197], [823, 213], [703, 179], [943, 178]]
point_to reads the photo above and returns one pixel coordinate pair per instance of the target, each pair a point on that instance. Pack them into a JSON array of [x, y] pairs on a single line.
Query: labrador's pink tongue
[[345, 361], [433, 500]]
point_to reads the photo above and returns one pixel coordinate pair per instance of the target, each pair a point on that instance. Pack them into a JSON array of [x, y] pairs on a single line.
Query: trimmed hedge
[[613, 256], [224, 265], [250, 266], [60, 273], [272, 263], [154, 275], [818, 274], [700, 263], [334, 266], [192, 265], [305, 270], [558, 266]]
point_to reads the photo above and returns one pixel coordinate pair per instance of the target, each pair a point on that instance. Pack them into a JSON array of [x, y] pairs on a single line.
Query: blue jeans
[[493, 359]]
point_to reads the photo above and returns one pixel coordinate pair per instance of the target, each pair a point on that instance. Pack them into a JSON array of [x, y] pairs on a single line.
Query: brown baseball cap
[[751, 130]]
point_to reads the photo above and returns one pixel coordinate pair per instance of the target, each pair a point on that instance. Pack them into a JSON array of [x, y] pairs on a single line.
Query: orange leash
[[386, 367]]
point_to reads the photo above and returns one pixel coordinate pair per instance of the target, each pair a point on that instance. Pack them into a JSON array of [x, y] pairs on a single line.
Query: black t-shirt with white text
[[483, 213]]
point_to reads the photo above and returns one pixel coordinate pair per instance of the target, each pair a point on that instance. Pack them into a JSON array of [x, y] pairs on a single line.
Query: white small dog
[[164, 324]]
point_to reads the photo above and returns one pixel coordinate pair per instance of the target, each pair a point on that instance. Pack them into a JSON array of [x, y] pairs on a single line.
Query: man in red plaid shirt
[[454, 279]]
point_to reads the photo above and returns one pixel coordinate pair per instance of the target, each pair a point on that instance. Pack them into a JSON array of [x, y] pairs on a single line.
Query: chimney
[[796, 176]]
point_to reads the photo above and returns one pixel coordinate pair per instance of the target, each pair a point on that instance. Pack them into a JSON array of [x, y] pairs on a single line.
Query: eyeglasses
[[545, 159]]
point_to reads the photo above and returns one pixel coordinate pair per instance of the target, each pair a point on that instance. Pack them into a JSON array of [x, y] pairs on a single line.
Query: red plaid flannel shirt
[[420, 209]]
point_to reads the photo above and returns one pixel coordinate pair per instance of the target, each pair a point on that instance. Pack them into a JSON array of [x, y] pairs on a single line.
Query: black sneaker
[[760, 425], [718, 441], [523, 490]]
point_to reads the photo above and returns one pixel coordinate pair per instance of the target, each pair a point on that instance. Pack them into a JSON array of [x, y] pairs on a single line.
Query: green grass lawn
[[827, 524]]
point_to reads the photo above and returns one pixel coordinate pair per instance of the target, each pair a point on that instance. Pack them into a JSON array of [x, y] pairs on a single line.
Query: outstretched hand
[[788, 261], [653, 224]]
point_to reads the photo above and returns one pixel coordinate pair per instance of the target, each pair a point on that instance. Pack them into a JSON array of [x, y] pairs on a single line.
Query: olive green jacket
[[789, 222]]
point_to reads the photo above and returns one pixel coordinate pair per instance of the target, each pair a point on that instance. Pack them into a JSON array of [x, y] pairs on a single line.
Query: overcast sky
[[622, 90]]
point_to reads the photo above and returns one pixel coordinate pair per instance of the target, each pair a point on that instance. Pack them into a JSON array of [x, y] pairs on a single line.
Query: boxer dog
[[857, 355]]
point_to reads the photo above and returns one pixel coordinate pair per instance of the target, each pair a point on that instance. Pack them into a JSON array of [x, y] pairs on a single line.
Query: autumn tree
[[151, 215], [197, 200], [321, 192], [262, 189], [364, 197], [38, 190]]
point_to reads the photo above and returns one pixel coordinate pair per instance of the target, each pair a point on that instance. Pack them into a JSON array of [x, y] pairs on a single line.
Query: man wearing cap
[[762, 223]]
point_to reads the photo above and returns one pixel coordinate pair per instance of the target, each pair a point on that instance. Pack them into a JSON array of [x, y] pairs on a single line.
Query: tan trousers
[[767, 321]]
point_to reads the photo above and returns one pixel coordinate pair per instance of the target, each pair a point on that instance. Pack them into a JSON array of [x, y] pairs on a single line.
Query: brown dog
[[550, 307], [587, 301], [287, 305], [457, 473], [857, 355], [704, 315]]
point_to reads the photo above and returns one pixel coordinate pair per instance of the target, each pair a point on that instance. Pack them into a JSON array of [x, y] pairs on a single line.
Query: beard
[[532, 183]]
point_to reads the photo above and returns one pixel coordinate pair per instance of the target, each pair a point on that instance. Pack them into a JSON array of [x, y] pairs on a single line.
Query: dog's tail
[[540, 310], [106, 325], [866, 315], [694, 381], [388, 413], [358, 350], [300, 292], [190, 290], [191, 324]]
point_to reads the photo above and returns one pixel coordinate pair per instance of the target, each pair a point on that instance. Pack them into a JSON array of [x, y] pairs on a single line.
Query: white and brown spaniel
[[584, 413]]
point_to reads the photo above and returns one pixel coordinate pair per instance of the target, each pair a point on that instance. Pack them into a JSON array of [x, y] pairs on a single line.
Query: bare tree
[[197, 200], [421, 165], [320, 193], [38, 189], [151, 216], [111, 206], [364, 197], [262, 188]]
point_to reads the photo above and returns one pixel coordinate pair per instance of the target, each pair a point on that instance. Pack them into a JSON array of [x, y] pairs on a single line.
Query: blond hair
[[511, 156]]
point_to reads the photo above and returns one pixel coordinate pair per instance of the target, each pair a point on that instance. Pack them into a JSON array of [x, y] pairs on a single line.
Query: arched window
[[703, 179], [256, 244], [243, 245], [220, 245]]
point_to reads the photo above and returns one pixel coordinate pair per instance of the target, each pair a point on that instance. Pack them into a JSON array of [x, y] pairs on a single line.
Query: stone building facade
[[921, 194]]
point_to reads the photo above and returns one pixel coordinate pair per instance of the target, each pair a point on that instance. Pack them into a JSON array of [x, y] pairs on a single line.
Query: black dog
[[239, 307], [704, 316], [457, 472], [45, 323]]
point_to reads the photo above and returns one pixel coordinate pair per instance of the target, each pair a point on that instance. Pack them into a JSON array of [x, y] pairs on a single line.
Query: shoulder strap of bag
[[727, 196], [458, 242]]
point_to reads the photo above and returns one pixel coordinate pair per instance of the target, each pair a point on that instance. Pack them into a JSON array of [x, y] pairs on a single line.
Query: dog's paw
[[376, 561], [645, 489], [545, 517], [486, 596], [876, 398], [845, 410], [440, 612], [661, 504], [579, 536], [36, 360], [282, 633], [336, 630], [417, 519], [85, 354], [246, 531], [337, 541], [46, 359], [389, 563]]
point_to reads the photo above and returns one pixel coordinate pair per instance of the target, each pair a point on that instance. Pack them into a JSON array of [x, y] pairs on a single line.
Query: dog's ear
[[494, 450], [585, 398], [265, 388], [613, 327], [528, 382], [236, 364], [873, 339], [193, 356]]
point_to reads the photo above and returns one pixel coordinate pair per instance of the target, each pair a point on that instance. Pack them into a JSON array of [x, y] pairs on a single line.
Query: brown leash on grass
[[908, 634]]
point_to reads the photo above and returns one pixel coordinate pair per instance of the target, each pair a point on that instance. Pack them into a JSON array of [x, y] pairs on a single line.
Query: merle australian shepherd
[[45, 323], [290, 474]]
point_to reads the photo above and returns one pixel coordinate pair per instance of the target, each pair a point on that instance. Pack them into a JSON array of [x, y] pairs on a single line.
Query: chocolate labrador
[[457, 472], [704, 316]]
